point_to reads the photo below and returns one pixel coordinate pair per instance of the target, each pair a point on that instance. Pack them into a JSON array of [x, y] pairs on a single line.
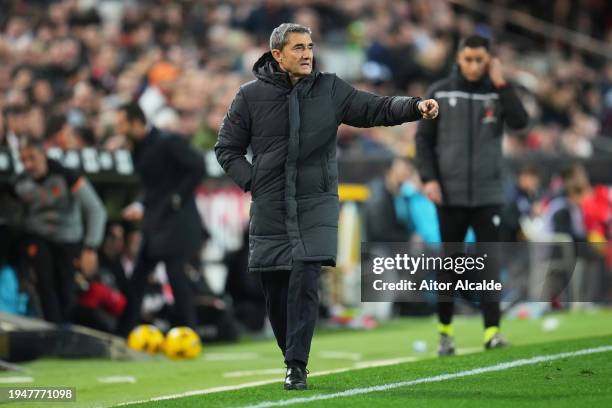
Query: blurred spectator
[[154, 100], [111, 270], [383, 223], [102, 299], [16, 125], [414, 208], [597, 209], [521, 202], [11, 298], [57, 240], [180, 61], [563, 214]]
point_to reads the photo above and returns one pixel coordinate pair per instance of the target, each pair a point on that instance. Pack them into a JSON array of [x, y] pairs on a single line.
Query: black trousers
[[182, 291], [454, 224], [292, 304], [50, 266]]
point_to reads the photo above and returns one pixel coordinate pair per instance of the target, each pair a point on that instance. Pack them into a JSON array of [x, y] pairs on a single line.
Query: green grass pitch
[[347, 360]]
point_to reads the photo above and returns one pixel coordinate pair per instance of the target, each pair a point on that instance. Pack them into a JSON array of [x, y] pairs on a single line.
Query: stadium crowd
[[69, 65]]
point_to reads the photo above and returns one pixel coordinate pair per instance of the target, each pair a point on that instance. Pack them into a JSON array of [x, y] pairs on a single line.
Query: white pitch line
[[230, 356], [14, 380], [117, 379], [436, 378], [387, 362], [341, 370], [340, 355], [200, 392], [248, 373], [359, 365]]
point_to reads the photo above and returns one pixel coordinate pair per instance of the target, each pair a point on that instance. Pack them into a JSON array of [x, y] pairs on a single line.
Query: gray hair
[[278, 38]]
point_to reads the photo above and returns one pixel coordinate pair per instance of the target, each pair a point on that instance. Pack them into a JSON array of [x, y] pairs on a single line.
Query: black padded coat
[[293, 178]]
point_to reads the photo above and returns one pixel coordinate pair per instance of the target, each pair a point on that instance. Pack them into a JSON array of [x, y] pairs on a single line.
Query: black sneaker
[[296, 378]]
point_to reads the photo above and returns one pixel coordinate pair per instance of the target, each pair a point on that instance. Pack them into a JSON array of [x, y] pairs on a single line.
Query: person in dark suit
[[169, 171]]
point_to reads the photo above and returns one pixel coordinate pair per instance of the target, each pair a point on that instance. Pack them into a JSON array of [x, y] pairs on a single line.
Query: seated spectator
[[414, 208], [383, 223], [521, 202], [12, 300], [111, 270], [563, 214], [597, 209], [102, 299]]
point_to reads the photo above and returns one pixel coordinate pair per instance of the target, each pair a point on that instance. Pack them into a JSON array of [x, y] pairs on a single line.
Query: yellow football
[[147, 338], [182, 343]]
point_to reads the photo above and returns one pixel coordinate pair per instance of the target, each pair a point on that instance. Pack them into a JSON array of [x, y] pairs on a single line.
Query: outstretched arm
[[364, 109], [232, 142]]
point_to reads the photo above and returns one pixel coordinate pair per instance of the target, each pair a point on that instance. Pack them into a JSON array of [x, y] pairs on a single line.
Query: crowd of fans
[[69, 64]]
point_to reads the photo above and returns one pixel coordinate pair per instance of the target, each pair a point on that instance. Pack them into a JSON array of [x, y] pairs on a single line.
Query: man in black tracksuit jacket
[[459, 159], [57, 239], [170, 170], [289, 117]]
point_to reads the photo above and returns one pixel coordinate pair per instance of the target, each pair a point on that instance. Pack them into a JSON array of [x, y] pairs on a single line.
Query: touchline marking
[[230, 356], [117, 379], [249, 373], [382, 363], [436, 378], [15, 380], [340, 355], [359, 365]]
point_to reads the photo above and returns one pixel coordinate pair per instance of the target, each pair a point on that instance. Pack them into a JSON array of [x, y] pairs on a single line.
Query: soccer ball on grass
[[147, 338], [182, 343]]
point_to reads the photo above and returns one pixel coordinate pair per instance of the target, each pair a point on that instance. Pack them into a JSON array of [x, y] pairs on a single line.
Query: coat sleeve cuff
[[415, 107]]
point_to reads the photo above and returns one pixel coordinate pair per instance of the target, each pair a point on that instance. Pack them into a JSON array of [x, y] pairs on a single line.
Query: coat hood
[[266, 69]]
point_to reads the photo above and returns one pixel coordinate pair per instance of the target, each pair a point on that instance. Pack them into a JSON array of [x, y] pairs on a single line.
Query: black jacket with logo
[[294, 175], [462, 148]]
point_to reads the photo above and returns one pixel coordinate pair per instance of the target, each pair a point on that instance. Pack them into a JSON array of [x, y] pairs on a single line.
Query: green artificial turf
[[346, 349], [577, 381]]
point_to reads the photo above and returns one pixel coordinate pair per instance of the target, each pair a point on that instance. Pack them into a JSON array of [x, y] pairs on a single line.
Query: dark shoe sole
[[295, 387], [500, 346]]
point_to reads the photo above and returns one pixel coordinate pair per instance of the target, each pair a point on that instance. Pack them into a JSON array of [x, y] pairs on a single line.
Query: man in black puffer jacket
[[289, 117], [459, 159]]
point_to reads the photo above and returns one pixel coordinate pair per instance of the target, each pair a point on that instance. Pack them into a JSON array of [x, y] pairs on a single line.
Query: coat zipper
[[470, 149], [325, 172]]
